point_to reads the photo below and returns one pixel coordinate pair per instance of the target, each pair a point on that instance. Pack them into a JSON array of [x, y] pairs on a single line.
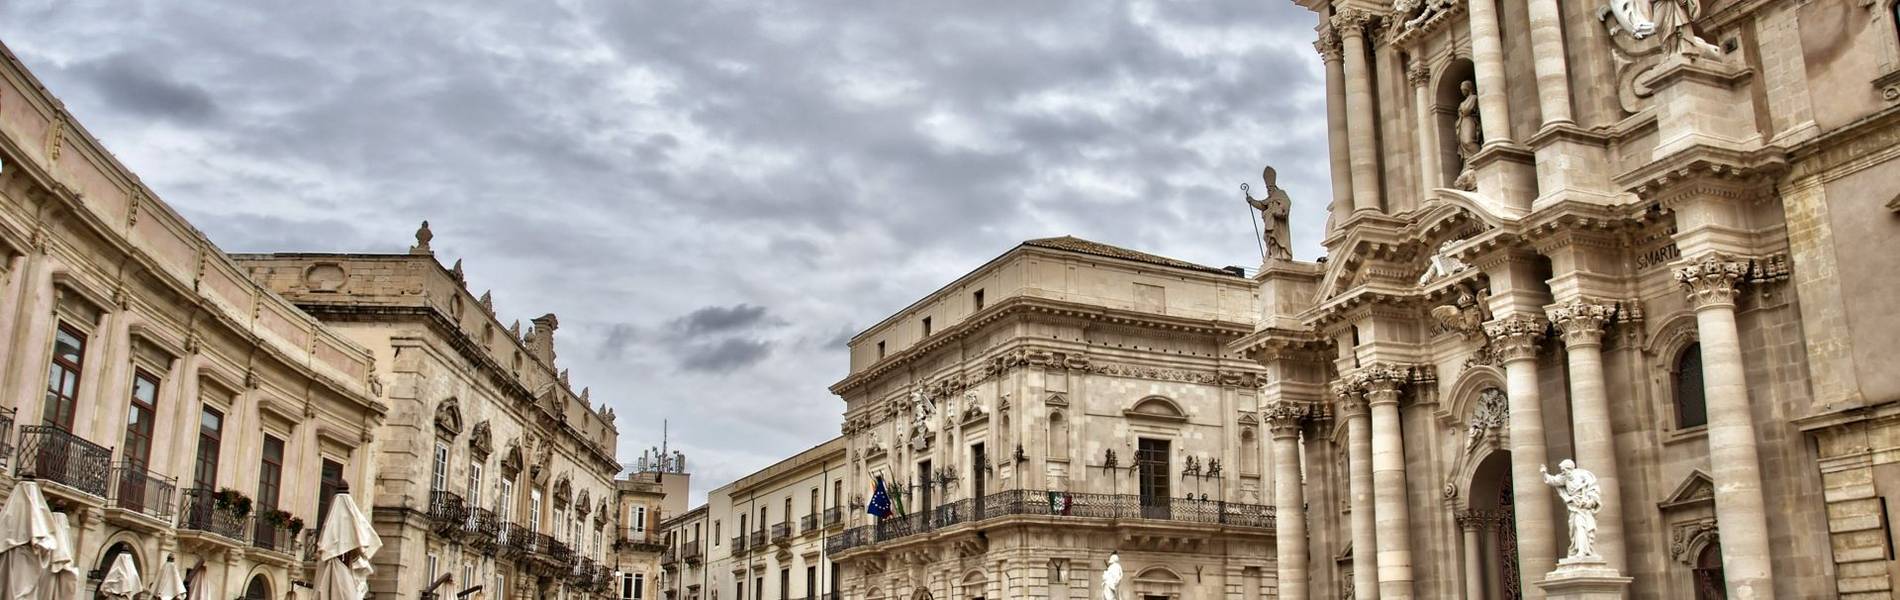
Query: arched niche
[[1445, 99], [1159, 581]]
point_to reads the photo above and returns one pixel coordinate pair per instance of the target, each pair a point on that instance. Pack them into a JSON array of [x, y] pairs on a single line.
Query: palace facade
[[1647, 237], [1064, 402]]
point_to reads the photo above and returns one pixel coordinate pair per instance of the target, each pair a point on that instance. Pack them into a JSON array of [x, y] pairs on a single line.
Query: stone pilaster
[[1388, 481], [1362, 119], [1430, 174], [1365, 562], [1340, 157], [1516, 338], [1289, 497], [1711, 283], [1581, 324]]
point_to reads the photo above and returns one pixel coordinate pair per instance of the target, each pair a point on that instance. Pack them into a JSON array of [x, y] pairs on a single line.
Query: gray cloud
[[775, 167]]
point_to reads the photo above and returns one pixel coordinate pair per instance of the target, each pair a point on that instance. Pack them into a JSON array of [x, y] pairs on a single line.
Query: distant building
[[644, 500], [761, 537]]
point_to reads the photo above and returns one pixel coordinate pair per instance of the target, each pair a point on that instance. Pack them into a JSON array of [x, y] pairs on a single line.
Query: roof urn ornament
[[423, 235]]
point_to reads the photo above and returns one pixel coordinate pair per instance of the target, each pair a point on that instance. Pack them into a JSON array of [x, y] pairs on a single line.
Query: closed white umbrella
[[26, 542], [170, 584], [344, 549], [122, 579], [62, 578]]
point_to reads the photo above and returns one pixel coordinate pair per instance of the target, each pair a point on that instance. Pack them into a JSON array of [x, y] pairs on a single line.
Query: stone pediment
[[1698, 489], [1156, 408], [448, 417], [1056, 399]]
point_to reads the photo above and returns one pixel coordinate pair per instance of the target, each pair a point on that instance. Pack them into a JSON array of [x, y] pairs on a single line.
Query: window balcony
[[201, 512], [54, 455], [834, 516], [781, 532], [692, 553], [447, 513], [272, 537], [756, 540], [1061, 505], [483, 530], [808, 523], [140, 491], [516, 541], [738, 544]]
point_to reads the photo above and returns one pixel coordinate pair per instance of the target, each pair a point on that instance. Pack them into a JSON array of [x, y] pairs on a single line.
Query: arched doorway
[[111, 555], [259, 589], [1709, 583], [1493, 507]]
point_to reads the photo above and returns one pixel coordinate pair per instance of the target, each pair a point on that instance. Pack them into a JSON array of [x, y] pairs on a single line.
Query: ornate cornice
[[1515, 337], [1712, 280], [1581, 322]]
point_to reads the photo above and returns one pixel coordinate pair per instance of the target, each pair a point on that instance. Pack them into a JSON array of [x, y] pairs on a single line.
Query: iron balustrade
[[560, 553], [808, 523], [834, 516], [200, 512], [136, 489], [1058, 505], [484, 530], [49, 453], [738, 543], [692, 552], [273, 537], [781, 531], [447, 511], [517, 540], [757, 538], [669, 556], [6, 437]]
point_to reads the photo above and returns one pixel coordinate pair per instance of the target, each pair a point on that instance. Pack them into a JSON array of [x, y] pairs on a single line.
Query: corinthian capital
[[1284, 417], [1349, 399], [1515, 337], [1712, 280], [1382, 382], [1418, 74], [1352, 21], [1328, 44], [1581, 322]]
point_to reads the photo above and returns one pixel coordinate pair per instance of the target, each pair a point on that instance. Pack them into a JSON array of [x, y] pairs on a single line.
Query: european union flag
[[880, 505]]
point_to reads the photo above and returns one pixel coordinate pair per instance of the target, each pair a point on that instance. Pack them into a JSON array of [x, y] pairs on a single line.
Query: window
[[505, 499], [926, 326], [811, 582], [210, 437], [626, 586], [880, 350], [758, 588], [439, 477], [976, 299], [330, 483], [1691, 408], [639, 519], [270, 473], [534, 511], [639, 586], [475, 484], [812, 507], [837, 492], [739, 590], [1151, 462], [468, 575], [432, 564], [784, 584], [138, 419], [62, 383]]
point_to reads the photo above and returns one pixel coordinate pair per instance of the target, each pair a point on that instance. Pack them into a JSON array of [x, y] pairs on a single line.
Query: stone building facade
[[1064, 402], [763, 534], [684, 574], [643, 500], [492, 468], [1645, 236], [169, 406]]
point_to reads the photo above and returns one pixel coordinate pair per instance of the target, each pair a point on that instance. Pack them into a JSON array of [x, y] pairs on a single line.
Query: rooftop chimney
[[541, 338]]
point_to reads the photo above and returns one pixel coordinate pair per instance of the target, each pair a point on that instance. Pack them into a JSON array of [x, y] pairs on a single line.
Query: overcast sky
[[712, 195]]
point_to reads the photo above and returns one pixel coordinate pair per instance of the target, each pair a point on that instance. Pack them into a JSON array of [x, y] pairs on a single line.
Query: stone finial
[[488, 302], [461, 277], [423, 235], [514, 329], [541, 337]]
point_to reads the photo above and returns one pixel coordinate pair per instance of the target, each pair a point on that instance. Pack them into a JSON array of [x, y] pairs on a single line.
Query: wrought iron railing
[[200, 512], [757, 538], [834, 515], [738, 544], [139, 490], [781, 531], [692, 552], [808, 523], [272, 536], [447, 511], [669, 556], [484, 530], [6, 437], [1056, 504], [517, 540], [52, 454], [560, 553]]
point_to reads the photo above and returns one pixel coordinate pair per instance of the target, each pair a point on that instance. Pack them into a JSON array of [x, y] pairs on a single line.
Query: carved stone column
[[1548, 61], [1430, 174], [1516, 338], [1329, 52], [1487, 64], [1362, 120], [1388, 482], [1740, 510], [1365, 562], [1473, 528], [1289, 497], [1581, 324]]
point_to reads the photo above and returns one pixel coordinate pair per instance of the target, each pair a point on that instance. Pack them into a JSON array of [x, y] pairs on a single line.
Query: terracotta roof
[[1075, 244]]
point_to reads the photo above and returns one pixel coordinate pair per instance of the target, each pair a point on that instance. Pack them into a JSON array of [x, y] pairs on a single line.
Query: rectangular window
[[811, 581], [739, 590], [639, 519], [716, 533], [439, 476], [534, 511], [138, 419], [329, 484], [210, 437], [270, 473], [784, 584], [926, 326], [976, 298], [837, 492], [626, 586], [1151, 462], [758, 588], [62, 381], [505, 499], [475, 484], [880, 350], [639, 586], [431, 570]]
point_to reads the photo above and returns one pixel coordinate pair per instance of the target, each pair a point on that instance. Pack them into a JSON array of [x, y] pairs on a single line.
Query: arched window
[[1691, 408], [259, 589], [1058, 436], [1709, 581]]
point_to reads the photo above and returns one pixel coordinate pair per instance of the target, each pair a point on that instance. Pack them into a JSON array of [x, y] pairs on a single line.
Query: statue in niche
[[1470, 134], [1676, 20], [1274, 214], [1582, 497]]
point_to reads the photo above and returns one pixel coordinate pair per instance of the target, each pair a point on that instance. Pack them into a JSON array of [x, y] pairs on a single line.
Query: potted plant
[[232, 501], [295, 524]]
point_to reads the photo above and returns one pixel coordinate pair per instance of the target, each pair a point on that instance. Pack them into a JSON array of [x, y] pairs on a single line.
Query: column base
[[1585, 578]]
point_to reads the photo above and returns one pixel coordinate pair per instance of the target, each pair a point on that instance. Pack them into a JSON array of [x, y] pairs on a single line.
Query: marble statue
[[1112, 578], [1443, 264], [1675, 19], [1632, 19], [1578, 489], [1423, 9], [1274, 210], [1470, 133]]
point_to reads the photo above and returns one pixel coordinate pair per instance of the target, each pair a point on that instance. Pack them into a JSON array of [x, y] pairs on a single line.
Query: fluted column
[[1548, 61], [1581, 324], [1289, 497], [1388, 483], [1365, 562], [1430, 174], [1361, 120], [1472, 525], [1330, 54], [1487, 65], [1516, 339], [1740, 511]]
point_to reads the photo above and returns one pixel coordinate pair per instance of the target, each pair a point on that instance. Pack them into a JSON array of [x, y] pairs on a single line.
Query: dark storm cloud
[[703, 191]]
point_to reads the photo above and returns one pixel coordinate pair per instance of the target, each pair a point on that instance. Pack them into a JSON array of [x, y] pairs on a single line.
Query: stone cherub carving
[[1470, 134], [1274, 214], [1112, 578], [1581, 495], [1423, 9]]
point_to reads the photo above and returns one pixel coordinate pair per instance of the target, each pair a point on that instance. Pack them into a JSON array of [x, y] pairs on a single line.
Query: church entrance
[[1493, 508]]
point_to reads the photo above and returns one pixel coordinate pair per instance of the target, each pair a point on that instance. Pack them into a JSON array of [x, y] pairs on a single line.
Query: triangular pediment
[[1696, 489]]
